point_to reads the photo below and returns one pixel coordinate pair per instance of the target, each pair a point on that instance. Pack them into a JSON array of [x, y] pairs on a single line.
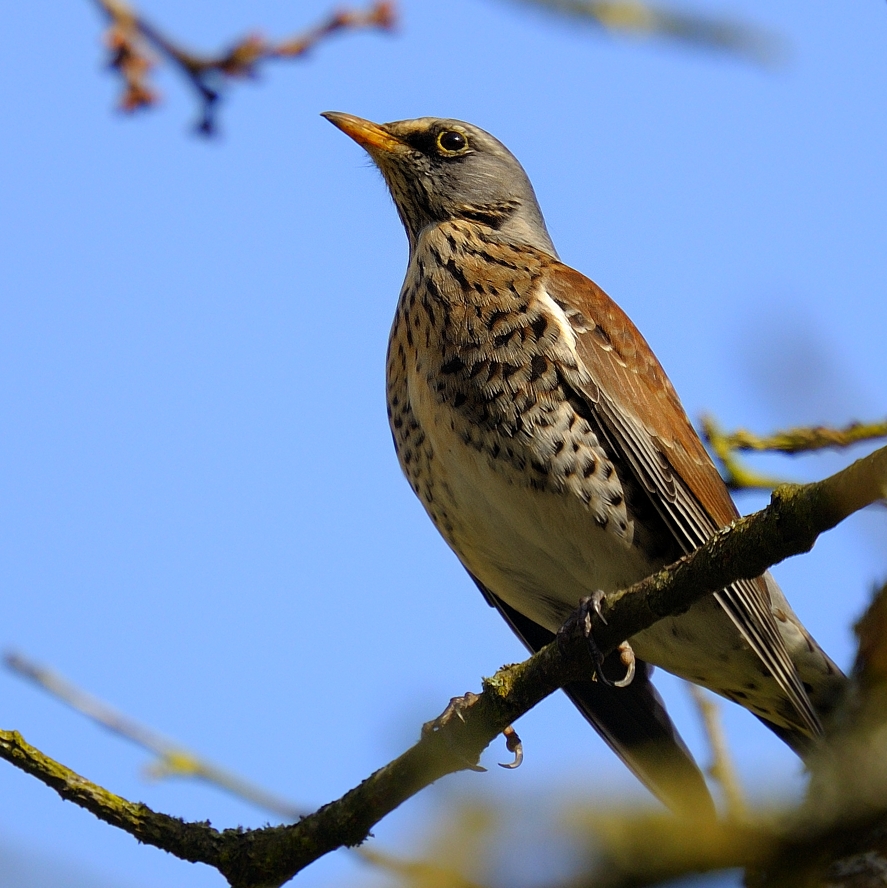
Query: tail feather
[[633, 721]]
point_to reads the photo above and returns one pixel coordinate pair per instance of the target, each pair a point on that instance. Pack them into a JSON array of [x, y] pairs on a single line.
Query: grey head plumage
[[441, 169]]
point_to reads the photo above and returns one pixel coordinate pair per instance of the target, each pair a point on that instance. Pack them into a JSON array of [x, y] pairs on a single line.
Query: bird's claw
[[513, 744], [455, 709], [627, 658], [589, 605]]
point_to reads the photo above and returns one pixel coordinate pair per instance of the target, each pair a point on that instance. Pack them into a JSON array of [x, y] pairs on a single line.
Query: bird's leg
[[583, 616], [455, 709]]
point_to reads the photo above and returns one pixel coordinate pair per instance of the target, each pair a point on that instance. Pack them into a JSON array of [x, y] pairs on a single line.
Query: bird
[[552, 453]]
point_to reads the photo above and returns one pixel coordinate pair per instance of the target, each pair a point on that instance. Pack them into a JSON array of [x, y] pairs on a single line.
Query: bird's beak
[[374, 138]]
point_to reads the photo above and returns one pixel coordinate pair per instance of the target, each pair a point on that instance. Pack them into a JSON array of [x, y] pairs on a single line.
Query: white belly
[[539, 550]]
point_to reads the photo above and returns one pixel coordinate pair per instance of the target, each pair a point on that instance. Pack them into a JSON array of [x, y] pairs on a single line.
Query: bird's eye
[[451, 142]]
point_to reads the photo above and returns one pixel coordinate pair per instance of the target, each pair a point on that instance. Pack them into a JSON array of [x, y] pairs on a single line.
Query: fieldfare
[[552, 453]]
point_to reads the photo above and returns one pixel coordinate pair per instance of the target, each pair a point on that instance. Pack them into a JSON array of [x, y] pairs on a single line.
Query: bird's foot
[[456, 708], [582, 616]]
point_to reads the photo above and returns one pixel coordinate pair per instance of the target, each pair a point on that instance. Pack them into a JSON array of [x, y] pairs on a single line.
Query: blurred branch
[[721, 768], [173, 760], [272, 855], [418, 873], [131, 39], [643, 20], [800, 440]]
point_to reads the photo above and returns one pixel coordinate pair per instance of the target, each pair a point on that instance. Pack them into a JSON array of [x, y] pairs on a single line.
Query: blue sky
[[201, 515]]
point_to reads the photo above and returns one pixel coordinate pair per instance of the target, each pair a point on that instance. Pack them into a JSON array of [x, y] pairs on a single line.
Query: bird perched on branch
[[552, 453]]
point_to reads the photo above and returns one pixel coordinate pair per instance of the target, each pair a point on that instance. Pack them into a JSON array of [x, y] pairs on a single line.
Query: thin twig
[[797, 440], [633, 17], [721, 768], [131, 39], [173, 760], [738, 476]]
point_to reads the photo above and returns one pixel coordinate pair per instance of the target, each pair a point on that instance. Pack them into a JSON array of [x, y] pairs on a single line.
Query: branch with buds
[[134, 43]]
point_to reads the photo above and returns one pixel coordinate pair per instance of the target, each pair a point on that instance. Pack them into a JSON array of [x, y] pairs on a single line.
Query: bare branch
[[134, 41], [721, 768], [645, 20], [270, 856], [173, 760], [799, 440]]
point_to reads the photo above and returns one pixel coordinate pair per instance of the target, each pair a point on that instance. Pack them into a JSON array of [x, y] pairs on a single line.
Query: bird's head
[[439, 170]]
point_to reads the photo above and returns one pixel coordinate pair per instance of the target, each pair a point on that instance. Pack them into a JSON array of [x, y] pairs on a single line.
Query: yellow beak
[[374, 138]]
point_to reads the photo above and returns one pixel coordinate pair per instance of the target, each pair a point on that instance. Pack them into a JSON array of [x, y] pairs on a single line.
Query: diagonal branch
[[270, 856]]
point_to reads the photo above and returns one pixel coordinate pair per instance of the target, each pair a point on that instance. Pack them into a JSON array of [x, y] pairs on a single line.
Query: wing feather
[[639, 411]]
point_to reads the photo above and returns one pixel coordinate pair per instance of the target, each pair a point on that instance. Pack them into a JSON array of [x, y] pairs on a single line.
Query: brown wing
[[641, 414]]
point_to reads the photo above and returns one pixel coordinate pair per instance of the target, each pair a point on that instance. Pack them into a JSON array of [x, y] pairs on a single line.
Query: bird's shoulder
[[629, 385]]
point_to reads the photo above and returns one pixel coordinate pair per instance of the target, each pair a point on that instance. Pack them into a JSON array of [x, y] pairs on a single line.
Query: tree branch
[[738, 476], [130, 37], [270, 856]]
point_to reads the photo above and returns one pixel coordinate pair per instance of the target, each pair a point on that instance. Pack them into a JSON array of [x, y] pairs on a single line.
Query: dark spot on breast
[[431, 290], [476, 368], [459, 400], [558, 447], [615, 498], [589, 468], [541, 468], [508, 370], [495, 317], [539, 326], [538, 367], [502, 338], [454, 365], [457, 273]]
